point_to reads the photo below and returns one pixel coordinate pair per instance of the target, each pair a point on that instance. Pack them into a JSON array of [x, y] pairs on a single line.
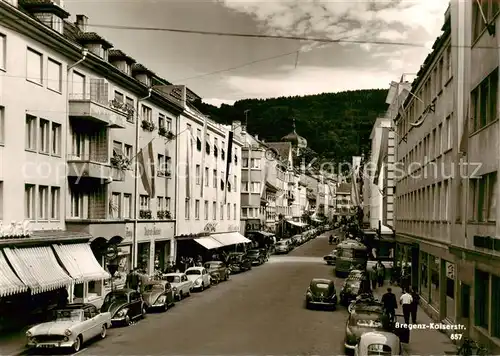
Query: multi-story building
[[343, 206], [426, 157], [208, 185]]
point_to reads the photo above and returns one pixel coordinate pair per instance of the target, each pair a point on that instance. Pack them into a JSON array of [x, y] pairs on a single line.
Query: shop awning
[[80, 262], [38, 268], [9, 283], [209, 243], [296, 223], [231, 238]]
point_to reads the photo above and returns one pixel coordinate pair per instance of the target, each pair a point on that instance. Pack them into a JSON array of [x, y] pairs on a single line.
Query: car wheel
[[78, 344], [188, 293], [103, 332], [144, 311], [308, 306], [202, 288], [227, 277], [128, 321], [165, 307], [181, 295]]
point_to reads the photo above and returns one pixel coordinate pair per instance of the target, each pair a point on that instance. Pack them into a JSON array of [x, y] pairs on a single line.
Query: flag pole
[[136, 182]]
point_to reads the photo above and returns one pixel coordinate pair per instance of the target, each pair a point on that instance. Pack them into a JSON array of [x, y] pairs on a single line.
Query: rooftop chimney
[[81, 22]]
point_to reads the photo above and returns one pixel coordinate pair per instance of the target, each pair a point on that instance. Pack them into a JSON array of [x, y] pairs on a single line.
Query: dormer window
[[95, 44], [142, 74], [50, 13], [121, 61]]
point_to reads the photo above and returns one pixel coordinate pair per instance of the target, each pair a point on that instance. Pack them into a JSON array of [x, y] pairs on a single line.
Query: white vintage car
[[180, 283], [73, 325], [199, 276]]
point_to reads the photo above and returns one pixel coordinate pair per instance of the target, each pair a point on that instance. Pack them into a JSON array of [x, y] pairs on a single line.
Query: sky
[[223, 69]]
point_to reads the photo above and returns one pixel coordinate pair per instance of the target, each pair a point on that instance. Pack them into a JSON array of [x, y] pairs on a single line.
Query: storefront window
[[424, 275], [162, 255], [435, 268], [143, 256], [124, 262], [450, 290], [495, 307], [481, 298]]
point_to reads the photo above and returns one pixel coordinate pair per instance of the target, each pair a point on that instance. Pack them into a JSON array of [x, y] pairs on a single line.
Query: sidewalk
[[422, 342], [13, 343]]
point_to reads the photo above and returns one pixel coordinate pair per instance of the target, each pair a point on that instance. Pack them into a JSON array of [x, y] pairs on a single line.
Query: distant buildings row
[[80, 119], [441, 193]]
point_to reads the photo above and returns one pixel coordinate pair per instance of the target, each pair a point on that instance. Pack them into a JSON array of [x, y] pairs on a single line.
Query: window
[[114, 206], [161, 120], [43, 202], [228, 211], [255, 163], [244, 163], [169, 125], [244, 212], [489, 10], [197, 209], [29, 201], [187, 210], [161, 165], [55, 139], [235, 184], [198, 174], [214, 175], [76, 204], [234, 212], [255, 187], [484, 101], [144, 202], [127, 206], [128, 152], [484, 192], [78, 86], [119, 97], [2, 125], [34, 66], [159, 203], [206, 209], [244, 187], [206, 177], [214, 211], [167, 203], [448, 72], [54, 75], [147, 113], [30, 133], [222, 211], [481, 298], [3, 51], [448, 132], [44, 134]]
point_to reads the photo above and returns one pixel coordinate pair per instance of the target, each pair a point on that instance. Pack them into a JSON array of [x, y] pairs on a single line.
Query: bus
[[350, 253]]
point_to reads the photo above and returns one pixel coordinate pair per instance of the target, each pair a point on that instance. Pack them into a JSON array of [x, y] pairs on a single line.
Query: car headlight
[[29, 334], [197, 282], [67, 332], [175, 289], [66, 338], [122, 312], [161, 299]]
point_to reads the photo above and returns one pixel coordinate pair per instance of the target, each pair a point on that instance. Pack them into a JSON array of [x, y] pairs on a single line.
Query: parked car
[[321, 292], [378, 343], [350, 290], [72, 326], [331, 258], [199, 276], [125, 306], [256, 257], [218, 271], [283, 246], [181, 285], [362, 320], [295, 239], [238, 262], [158, 295]]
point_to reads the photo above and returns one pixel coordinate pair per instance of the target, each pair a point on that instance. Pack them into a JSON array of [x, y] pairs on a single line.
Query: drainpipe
[[136, 181], [173, 245], [65, 144]]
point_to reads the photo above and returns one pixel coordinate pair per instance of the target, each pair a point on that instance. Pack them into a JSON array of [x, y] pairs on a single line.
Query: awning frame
[[208, 243]]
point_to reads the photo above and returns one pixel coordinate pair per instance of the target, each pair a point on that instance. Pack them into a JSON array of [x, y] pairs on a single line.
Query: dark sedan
[[331, 258], [125, 306], [362, 320], [238, 262], [321, 292], [350, 290], [256, 257], [218, 271]]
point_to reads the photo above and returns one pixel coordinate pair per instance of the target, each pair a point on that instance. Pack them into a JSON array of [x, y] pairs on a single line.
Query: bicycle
[[469, 347]]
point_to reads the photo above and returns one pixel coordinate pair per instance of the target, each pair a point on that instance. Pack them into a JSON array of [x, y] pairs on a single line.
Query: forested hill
[[336, 125]]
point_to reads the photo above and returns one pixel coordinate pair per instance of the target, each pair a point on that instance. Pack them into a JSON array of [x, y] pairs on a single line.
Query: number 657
[[456, 336]]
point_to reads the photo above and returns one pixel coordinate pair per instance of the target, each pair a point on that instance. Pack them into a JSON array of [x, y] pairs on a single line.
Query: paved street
[[258, 312]]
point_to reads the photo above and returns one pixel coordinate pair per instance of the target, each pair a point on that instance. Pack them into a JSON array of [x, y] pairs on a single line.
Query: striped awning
[[80, 262], [231, 238], [9, 283], [38, 268], [209, 243]]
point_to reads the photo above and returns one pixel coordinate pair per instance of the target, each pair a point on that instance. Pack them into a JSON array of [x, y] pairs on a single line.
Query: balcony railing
[[90, 166], [89, 157], [97, 107]]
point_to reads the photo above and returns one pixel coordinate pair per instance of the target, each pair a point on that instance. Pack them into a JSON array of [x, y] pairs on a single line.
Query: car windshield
[[115, 298], [253, 252], [212, 265], [281, 243], [68, 315], [193, 272], [158, 287], [320, 285], [173, 279], [379, 350], [367, 320]]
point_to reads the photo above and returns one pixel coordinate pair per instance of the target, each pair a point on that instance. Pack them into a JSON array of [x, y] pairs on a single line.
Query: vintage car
[[296, 239], [331, 258], [238, 262], [72, 326], [363, 319], [352, 286], [125, 306], [158, 295], [381, 343], [321, 292], [199, 276], [283, 246], [218, 271], [181, 285], [256, 257]]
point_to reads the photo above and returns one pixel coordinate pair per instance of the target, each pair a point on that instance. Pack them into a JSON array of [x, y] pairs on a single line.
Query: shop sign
[[450, 270], [211, 227], [153, 231]]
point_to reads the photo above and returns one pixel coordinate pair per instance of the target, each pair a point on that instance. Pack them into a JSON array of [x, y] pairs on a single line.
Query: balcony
[[99, 109], [89, 166]]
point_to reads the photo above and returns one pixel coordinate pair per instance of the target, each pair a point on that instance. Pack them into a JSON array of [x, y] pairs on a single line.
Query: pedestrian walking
[[62, 297], [380, 274], [414, 305], [390, 304], [374, 276], [132, 281], [406, 302]]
